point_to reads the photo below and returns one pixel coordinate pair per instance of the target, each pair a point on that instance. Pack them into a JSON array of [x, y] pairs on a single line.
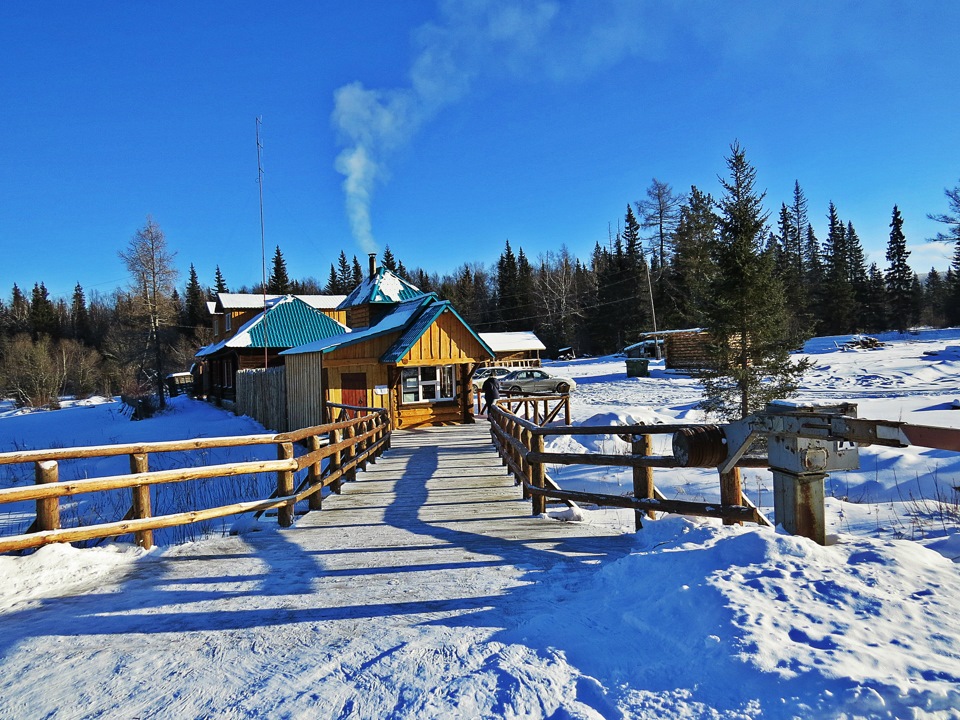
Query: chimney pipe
[[373, 265]]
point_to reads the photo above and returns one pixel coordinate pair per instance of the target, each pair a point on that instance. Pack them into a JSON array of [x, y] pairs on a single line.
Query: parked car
[[535, 380], [483, 373]]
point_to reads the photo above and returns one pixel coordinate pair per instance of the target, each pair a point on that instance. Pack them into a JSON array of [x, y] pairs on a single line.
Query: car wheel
[[516, 389], [563, 388]]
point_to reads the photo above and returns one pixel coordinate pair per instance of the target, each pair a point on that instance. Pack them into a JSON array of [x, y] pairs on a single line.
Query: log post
[[315, 501], [48, 509], [528, 476], [566, 409], [140, 463], [642, 477], [336, 461], [349, 434], [539, 477], [285, 485], [731, 491]]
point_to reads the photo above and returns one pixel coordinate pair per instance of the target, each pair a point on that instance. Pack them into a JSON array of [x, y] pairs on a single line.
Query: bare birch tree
[[153, 280]]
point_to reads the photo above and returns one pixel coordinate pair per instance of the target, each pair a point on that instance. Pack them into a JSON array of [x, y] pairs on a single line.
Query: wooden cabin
[[414, 358], [515, 349], [682, 349], [288, 321]]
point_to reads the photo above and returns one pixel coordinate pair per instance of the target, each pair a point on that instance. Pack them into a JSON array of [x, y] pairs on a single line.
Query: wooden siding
[[304, 391], [446, 342], [339, 315], [687, 351]]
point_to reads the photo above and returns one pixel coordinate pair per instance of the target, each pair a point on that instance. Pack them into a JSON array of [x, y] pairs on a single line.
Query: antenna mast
[[263, 249]]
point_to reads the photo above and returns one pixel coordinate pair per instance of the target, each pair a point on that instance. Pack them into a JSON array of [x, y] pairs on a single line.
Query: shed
[[520, 349]]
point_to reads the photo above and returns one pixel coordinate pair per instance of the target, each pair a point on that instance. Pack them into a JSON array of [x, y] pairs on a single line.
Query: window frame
[[443, 380]]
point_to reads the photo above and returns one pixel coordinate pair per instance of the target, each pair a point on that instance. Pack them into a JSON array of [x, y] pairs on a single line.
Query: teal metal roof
[[291, 323], [395, 320], [419, 326]]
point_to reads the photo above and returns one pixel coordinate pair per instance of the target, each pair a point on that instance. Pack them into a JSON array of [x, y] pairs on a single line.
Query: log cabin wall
[[687, 351]]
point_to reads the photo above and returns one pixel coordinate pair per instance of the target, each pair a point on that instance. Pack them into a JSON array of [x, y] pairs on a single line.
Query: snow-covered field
[[687, 619]]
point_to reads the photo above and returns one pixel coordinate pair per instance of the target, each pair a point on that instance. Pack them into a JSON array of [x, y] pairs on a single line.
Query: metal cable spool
[[699, 446]]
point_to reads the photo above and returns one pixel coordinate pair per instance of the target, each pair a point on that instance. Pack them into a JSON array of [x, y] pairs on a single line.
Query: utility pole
[[263, 250]]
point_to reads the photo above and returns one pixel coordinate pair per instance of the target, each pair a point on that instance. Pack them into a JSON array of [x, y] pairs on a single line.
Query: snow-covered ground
[[687, 618]]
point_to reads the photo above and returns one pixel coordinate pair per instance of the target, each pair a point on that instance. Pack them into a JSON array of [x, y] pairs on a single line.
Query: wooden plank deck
[[447, 487]]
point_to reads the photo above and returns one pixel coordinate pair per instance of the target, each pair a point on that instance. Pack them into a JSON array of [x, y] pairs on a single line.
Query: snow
[[686, 618]]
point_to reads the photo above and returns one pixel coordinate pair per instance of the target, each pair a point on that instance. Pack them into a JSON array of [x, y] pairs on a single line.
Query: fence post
[[315, 501], [336, 461], [566, 408], [285, 485], [528, 476], [642, 478], [539, 479], [731, 491], [48, 509], [350, 434], [139, 463]]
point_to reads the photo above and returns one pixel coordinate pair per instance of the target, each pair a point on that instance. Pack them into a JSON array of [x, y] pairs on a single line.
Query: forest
[[674, 261]]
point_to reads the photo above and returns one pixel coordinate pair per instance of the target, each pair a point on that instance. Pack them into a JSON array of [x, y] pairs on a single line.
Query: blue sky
[[444, 129]]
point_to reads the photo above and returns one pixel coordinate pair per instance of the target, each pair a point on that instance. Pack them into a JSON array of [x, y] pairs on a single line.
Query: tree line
[[670, 263]]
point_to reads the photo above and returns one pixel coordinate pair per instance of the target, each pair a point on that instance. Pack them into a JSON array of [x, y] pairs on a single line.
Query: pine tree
[[507, 276], [279, 282], [633, 313], [746, 313], [356, 273], [388, 261], [79, 316], [195, 305], [935, 300], [899, 276], [693, 267], [344, 276], [840, 302], [333, 283], [873, 310], [219, 284], [19, 311], [524, 319], [43, 318]]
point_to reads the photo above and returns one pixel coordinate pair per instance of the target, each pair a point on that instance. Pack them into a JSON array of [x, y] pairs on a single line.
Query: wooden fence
[[262, 395], [333, 452], [521, 444]]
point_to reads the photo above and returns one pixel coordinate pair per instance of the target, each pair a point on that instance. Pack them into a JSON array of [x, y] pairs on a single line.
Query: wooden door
[[354, 389]]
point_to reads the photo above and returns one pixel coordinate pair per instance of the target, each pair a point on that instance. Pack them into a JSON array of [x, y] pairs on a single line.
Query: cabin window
[[216, 326], [228, 322], [428, 383]]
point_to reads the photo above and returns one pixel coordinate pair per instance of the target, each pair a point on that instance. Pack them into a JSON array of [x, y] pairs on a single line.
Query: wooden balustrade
[[333, 451], [520, 442]]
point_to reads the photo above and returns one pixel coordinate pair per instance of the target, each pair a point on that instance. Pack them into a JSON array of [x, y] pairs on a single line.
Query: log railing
[[334, 451], [540, 409], [521, 442]]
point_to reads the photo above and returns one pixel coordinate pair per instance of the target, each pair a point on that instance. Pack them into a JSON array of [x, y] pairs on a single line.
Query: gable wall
[[447, 341]]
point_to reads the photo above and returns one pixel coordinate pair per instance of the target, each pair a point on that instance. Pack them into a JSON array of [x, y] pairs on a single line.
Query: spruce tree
[[79, 316], [524, 319], [356, 273], [746, 311], [195, 306], [951, 219], [839, 295], [279, 282], [219, 284], [693, 267], [899, 276], [507, 276], [873, 310], [43, 318], [935, 301], [388, 261]]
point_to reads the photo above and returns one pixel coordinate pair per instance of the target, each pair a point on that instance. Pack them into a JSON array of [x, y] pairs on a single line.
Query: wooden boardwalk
[[440, 496]]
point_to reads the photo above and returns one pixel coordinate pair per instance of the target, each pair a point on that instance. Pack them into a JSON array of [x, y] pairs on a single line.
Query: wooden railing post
[[731, 491], [528, 477], [642, 477], [285, 485], [336, 461], [539, 476], [349, 435], [566, 409], [315, 501], [139, 463], [48, 509]]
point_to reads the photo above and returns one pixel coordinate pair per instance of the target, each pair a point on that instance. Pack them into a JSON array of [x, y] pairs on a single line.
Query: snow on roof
[[253, 301], [384, 287], [512, 341]]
